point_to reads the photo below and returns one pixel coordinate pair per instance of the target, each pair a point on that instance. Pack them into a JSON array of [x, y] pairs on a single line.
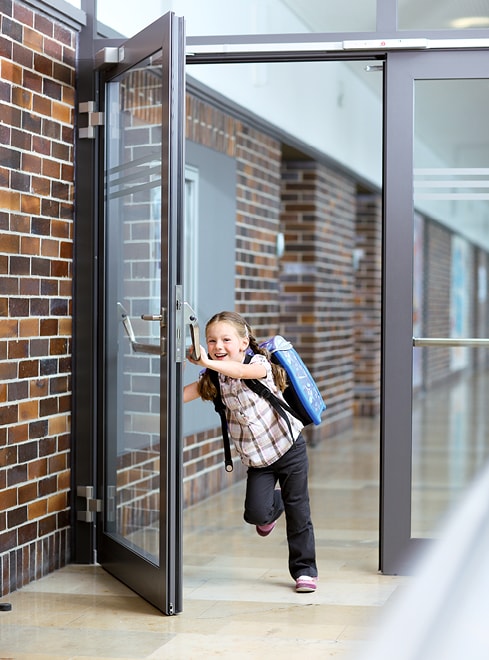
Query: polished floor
[[239, 600]]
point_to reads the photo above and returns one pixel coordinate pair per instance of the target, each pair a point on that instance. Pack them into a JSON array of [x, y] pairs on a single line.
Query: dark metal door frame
[[397, 322], [397, 547], [160, 584]]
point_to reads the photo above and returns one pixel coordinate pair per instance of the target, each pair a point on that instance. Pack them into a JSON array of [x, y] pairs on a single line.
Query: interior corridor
[[239, 600]]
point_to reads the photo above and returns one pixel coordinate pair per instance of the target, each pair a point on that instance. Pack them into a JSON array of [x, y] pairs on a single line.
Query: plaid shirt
[[261, 436]]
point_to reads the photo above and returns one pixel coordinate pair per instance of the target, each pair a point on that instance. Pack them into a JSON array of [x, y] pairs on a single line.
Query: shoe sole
[[262, 533]]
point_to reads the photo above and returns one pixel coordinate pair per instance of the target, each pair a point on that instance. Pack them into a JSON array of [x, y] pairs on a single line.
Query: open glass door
[[435, 418], [139, 534]]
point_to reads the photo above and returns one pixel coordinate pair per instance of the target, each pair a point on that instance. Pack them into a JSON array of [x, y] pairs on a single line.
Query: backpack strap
[[220, 409], [258, 388], [277, 404]]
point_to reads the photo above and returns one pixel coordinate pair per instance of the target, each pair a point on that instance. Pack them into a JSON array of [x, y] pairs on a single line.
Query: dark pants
[[264, 504]]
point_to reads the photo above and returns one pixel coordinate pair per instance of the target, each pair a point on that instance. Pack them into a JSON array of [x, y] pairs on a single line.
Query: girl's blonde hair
[[206, 388]]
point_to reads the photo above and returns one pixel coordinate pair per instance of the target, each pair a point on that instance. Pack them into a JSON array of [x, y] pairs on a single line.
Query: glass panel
[[133, 209], [451, 265], [245, 17], [440, 14]]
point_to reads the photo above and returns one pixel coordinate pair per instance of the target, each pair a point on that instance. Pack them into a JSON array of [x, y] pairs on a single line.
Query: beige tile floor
[[239, 600]]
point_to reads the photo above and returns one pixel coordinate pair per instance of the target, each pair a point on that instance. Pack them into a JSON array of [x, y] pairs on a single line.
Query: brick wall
[[318, 218], [368, 305], [437, 300], [37, 58], [258, 223], [481, 306]]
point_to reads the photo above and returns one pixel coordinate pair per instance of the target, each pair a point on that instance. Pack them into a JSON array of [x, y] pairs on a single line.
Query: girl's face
[[224, 342]]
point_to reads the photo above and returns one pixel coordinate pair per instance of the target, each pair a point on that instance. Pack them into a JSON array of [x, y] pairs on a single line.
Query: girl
[[262, 439]]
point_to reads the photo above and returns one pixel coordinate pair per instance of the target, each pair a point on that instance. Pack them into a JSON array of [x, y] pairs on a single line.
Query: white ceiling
[[450, 115]]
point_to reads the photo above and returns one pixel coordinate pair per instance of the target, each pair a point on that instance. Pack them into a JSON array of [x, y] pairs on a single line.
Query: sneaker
[[306, 583], [264, 530]]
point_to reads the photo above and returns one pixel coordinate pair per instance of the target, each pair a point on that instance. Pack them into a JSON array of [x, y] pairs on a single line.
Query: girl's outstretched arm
[[190, 392]]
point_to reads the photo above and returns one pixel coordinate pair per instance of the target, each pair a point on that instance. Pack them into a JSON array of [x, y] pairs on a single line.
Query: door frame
[[397, 546], [161, 583], [397, 319]]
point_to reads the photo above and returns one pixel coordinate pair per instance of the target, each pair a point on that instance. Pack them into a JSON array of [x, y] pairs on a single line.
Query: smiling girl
[[262, 438]]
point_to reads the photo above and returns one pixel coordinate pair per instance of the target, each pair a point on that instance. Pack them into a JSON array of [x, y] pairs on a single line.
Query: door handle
[[449, 341], [190, 319], [137, 346]]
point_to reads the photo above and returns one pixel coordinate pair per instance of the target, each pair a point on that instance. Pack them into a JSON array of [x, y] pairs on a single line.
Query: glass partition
[[255, 17], [442, 15], [215, 17], [450, 310]]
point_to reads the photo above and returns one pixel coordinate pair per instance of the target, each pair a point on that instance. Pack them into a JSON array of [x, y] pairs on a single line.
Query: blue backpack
[[302, 397]]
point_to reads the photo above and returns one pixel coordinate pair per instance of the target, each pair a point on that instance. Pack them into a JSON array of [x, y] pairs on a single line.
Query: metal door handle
[[137, 346], [190, 319], [449, 341]]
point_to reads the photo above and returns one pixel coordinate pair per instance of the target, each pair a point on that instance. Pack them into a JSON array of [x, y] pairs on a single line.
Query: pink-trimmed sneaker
[[306, 584], [265, 530]]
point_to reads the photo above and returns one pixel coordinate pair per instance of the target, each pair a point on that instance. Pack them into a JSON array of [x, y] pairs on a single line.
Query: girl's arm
[[231, 368], [190, 392]]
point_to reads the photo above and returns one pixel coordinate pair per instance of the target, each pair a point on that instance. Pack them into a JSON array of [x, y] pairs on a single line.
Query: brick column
[[37, 78], [317, 315], [368, 305]]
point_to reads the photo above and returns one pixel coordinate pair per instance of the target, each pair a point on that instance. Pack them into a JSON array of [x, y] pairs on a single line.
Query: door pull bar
[[450, 341], [137, 346], [190, 319]]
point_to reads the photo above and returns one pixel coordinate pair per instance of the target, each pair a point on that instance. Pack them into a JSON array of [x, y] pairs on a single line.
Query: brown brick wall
[[37, 59], [481, 306], [318, 218], [258, 223], [437, 300], [368, 305]]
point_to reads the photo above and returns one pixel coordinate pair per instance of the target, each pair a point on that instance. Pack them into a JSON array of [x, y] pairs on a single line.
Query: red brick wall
[[258, 223], [318, 217], [37, 59], [481, 306], [437, 300], [368, 305]]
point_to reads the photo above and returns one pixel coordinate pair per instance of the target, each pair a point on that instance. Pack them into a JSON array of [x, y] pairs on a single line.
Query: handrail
[[449, 341]]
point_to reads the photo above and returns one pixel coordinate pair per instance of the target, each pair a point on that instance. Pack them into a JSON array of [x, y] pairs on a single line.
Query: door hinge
[[94, 119], [92, 505]]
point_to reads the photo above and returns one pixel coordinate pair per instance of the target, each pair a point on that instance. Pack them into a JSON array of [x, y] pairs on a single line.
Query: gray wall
[[216, 258]]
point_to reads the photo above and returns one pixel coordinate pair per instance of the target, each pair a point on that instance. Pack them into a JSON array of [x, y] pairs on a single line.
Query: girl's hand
[[203, 361]]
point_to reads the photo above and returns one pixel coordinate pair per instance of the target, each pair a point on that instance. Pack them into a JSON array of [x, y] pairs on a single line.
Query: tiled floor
[[239, 600]]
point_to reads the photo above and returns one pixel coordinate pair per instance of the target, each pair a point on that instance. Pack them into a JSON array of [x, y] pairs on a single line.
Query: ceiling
[[449, 115], [445, 117]]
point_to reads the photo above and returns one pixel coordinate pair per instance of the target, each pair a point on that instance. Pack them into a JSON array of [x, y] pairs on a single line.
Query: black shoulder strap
[[258, 388], [277, 404], [220, 409]]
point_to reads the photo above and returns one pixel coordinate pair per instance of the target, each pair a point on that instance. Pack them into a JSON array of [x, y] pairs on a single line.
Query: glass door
[[139, 535], [435, 418]]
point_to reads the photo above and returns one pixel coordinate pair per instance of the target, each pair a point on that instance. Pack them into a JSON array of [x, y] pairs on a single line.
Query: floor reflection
[[450, 447], [239, 601]]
